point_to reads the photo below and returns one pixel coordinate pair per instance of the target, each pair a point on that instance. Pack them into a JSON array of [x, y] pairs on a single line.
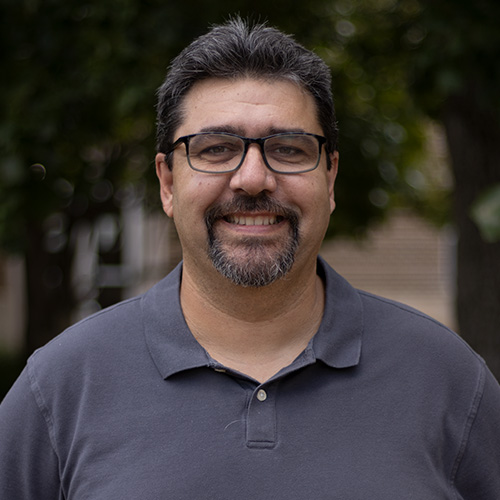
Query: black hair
[[240, 50]]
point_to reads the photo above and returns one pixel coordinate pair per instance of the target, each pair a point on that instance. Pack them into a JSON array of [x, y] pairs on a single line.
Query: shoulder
[[95, 331], [420, 351], [111, 342], [389, 329], [117, 327], [399, 322], [86, 353]]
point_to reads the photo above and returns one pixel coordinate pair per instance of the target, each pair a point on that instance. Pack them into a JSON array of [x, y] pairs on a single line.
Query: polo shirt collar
[[339, 338], [174, 349], [171, 344]]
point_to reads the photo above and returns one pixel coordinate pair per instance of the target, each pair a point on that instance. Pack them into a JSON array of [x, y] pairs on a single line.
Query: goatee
[[262, 263]]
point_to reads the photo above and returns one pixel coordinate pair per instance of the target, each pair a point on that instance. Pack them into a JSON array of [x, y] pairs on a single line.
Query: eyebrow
[[229, 129]]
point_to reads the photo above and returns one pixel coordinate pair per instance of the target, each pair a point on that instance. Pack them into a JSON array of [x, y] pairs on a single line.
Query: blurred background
[[416, 86]]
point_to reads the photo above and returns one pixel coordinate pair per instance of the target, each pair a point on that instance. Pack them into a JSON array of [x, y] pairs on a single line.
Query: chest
[[210, 435]]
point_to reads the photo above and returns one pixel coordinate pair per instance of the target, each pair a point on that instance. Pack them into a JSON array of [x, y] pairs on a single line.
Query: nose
[[253, 176]]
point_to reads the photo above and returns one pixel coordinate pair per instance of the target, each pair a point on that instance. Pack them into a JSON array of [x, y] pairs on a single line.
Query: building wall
[[406, 259]]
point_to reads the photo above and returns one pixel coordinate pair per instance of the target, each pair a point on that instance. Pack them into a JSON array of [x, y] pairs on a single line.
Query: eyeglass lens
[[283, 153]]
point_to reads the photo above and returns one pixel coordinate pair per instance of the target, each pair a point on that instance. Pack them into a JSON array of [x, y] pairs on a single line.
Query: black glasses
[[220, 153]]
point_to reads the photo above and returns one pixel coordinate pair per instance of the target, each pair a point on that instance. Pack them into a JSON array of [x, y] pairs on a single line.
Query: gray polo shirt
[[384, 404]]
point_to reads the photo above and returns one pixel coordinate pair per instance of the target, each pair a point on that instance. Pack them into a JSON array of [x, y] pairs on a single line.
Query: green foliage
[[71, 130], [77, 126], [384, 134], [485, 213], [457, 42], [397, 63], [77, 114]]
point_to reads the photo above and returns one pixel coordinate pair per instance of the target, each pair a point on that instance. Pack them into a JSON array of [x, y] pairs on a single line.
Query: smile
[[253, 220]]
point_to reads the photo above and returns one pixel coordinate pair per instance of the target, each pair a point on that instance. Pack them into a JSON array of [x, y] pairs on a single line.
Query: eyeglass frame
[[247, 141]]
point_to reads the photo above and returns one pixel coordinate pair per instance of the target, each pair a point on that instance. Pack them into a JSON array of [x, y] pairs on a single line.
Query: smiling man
[[253, 370], [251, 216]]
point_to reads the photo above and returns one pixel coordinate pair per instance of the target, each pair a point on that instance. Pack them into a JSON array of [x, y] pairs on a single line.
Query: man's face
[[253, 225]]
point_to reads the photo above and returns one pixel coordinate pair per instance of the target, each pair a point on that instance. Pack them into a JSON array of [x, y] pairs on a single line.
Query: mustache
[[248, 204]]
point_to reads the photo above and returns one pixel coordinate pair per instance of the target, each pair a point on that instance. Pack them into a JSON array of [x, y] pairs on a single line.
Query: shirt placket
[[261, 417]]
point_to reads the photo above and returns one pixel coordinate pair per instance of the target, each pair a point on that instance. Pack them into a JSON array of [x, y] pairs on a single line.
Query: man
[[253, 370]]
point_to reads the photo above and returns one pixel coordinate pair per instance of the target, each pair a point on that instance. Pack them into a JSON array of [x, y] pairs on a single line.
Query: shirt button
[[262, 395]]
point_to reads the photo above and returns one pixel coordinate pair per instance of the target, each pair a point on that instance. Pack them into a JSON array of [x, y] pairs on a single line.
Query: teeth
[[259, 220]]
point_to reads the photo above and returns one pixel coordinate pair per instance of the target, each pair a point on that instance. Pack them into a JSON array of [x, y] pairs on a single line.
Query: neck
[[256, 331]]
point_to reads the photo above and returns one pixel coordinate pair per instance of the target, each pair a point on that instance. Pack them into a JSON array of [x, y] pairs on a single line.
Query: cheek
[[192, 198], [317, 204]]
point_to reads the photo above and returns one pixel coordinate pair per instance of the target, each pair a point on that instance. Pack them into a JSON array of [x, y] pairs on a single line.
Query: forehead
[[247, 106]]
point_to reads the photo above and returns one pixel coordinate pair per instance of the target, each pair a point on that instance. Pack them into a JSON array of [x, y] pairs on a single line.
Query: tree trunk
[[48, 285], [473, 134]]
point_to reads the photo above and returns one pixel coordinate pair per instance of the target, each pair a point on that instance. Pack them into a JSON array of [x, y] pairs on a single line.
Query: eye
[[217, 149], [217, 153], [286, 150], [297, 151], [286, 153], [208, 150]]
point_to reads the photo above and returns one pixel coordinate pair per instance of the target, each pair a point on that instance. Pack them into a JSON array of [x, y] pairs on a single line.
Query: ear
[[166, 184], [332, 175]]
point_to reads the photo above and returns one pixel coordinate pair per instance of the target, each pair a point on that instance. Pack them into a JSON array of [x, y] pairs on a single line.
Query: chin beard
[[255, 263], [259, 267]]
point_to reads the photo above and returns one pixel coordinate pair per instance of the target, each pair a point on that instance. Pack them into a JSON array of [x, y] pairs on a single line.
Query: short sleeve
[[478, 473], [28, 462]]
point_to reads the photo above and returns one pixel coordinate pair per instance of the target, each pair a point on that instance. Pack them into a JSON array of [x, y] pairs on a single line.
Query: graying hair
[[238, 50]]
